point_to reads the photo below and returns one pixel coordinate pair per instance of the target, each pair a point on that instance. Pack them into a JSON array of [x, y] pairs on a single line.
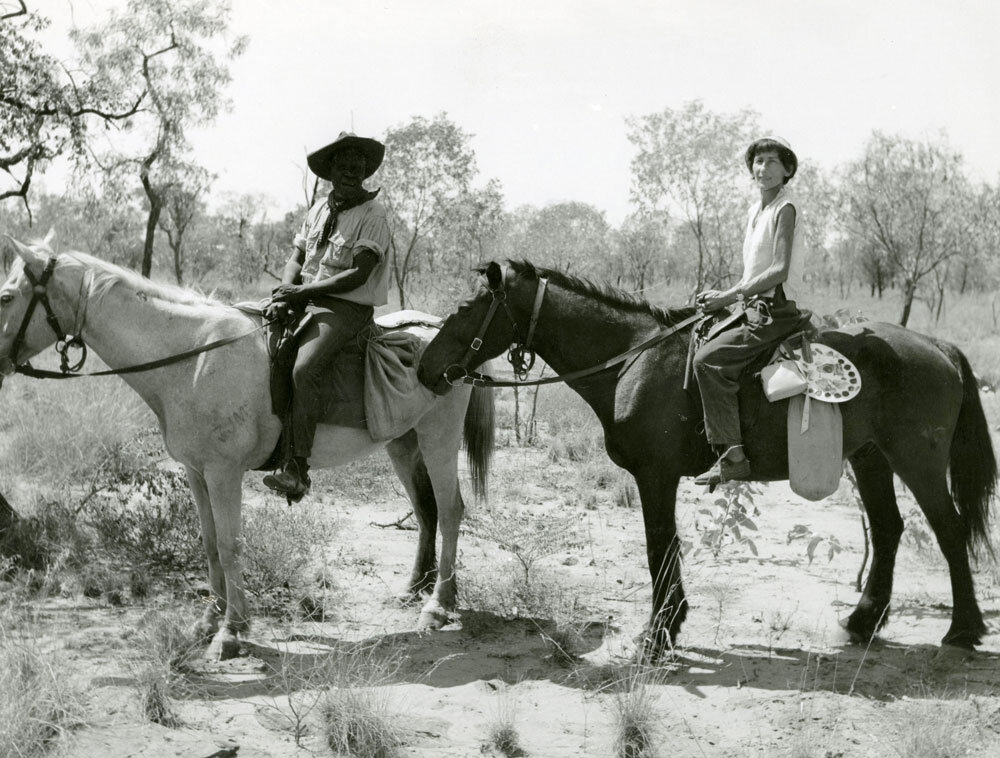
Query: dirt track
[[763, 668]]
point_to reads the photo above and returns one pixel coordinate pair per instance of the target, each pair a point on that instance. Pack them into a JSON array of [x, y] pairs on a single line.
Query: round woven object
[[831, 377]]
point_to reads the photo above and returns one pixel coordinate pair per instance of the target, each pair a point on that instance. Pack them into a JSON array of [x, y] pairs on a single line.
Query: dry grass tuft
[[636, 719], [502, 737], [65, 431], [154, 700], [163, 648], [941, 727], [356, 714], [35, 706]]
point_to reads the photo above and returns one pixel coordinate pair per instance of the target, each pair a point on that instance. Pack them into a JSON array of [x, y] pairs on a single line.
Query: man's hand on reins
[[278, 311], [290, 294]]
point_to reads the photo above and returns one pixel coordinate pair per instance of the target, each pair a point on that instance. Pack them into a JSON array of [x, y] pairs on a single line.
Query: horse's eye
[[6, 299]]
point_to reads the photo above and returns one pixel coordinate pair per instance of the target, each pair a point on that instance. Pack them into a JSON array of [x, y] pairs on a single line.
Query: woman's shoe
[[724, 471]]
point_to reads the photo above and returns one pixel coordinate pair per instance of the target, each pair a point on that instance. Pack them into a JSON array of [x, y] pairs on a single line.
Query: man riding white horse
[[339, 273]]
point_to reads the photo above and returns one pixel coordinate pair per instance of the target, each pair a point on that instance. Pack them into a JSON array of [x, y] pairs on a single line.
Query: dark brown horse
[[918, 415]]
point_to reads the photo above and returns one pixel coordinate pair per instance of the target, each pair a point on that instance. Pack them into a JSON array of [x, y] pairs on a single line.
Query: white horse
[[214, 411]]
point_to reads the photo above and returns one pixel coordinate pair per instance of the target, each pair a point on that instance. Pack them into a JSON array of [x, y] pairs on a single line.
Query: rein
[[66, 341], [518, 350]]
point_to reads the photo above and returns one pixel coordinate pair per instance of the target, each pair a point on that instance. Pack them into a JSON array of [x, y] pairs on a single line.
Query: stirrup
[[293, 485]]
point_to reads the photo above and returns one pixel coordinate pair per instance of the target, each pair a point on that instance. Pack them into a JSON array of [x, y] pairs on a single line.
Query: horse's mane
[[607, 295], [105, 275]]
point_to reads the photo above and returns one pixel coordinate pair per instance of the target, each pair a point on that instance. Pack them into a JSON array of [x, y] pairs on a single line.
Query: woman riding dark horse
[[766, 294], [918, 415]]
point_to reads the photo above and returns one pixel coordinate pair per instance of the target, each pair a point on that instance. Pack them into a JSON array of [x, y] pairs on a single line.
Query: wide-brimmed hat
[[373, 150], [785, 153]]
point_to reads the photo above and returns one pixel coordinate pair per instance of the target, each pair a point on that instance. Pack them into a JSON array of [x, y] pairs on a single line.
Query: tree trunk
[[178, 268], [909, 290], [517, 416], [401, 292], [940, 305], [8, 516], [155, 206]]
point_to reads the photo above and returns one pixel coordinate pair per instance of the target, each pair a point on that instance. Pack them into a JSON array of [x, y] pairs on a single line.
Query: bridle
[[522, 357], [64, 341]]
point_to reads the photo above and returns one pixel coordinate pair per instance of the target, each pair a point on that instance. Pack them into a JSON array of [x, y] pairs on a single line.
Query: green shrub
[[283, 549], [148, 519], [46, 542]]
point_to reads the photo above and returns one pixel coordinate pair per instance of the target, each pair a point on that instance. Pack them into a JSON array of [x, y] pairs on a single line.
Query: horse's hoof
[[649, 653], [433, 618], [965, 640], [854, 635], [951, 653], [225, 645], [202, 631]]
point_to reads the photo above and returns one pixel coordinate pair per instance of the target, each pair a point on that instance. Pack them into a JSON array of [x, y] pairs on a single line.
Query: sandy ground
[[763, 668]]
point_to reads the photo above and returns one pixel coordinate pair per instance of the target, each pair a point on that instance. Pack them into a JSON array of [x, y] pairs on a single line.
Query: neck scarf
[[338, 206]]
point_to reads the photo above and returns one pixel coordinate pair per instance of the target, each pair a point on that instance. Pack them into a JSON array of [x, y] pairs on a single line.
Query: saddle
[[814, 378], [374, 376]]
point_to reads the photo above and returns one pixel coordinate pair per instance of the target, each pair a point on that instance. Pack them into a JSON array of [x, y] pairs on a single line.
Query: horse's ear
[[494, 275], [25, 253], [50, 237]]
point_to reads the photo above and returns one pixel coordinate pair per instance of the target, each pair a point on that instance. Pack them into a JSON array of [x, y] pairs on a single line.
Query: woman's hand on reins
[[713, 300]]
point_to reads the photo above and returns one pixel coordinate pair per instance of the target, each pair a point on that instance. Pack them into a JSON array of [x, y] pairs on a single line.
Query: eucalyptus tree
[[48, 107], [429, 167], [643, 240], [178, 52], [908, 201], [689, 162], [183, 203]]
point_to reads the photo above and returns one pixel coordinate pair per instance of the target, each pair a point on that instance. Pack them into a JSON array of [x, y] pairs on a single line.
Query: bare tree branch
[[23, 11]]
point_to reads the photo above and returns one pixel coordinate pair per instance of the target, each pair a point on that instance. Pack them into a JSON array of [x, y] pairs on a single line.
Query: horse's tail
[[973, 463], [479, 432]]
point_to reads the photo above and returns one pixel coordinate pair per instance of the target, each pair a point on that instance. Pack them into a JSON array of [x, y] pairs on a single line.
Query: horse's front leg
[[225, 489], [412, 472], [215, 606], [658, 493], [440, 454]]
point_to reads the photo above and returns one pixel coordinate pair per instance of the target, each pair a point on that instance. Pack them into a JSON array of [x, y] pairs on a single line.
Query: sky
[[545, 86]]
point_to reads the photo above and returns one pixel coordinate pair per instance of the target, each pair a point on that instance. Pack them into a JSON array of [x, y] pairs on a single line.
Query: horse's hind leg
[[215, 604], [927, 482], [409, 465], [874, 478]]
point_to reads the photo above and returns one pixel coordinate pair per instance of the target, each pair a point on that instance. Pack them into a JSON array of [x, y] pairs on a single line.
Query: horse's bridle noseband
[[64, 341], [520, 355]]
